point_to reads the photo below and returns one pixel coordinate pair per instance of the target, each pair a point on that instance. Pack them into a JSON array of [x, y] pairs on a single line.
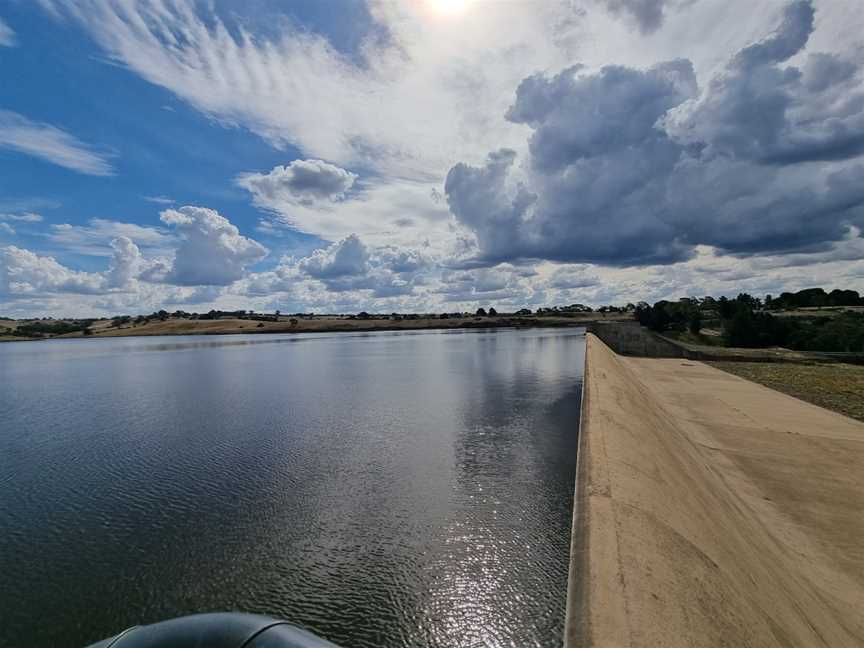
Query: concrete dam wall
[[711, 511], [631, 339]]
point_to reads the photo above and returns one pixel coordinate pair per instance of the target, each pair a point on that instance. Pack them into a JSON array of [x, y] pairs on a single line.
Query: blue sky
[[156, 145], [425, 154]]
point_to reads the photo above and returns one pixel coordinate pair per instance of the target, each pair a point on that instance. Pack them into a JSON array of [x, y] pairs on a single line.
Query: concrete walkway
[[712, 511]]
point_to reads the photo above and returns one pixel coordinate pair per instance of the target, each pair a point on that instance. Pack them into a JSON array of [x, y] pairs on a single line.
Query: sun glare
[[448, 7]]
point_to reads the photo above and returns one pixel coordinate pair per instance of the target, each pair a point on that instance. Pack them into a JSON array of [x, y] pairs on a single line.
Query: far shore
[[322, 324]]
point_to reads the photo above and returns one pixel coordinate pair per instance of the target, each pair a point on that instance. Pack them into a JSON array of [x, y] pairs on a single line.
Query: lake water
[[387, 489]]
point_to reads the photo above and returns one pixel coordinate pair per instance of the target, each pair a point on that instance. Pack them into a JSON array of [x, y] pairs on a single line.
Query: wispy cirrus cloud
[[96, 236], [160, 200], [7, 35], [50, 144], [23, 217], [294, 88]]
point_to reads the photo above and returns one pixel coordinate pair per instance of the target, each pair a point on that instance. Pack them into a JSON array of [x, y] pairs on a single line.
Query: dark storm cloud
[[825, 70], [580, 117], [647, 14], [787, 40], [597, 161], [304, 182], [631, 167], [759, 109]]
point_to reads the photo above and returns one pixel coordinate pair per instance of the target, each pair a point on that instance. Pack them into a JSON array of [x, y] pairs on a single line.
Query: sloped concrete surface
[[711, 511]]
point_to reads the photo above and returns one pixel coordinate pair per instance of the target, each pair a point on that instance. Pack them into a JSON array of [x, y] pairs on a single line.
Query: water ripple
[[383, 490]]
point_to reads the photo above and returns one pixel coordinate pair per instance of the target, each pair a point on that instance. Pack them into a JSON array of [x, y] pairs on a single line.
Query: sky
[[425, 155]]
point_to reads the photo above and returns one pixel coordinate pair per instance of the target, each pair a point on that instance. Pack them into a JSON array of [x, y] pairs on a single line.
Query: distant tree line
[[163, 315], [43, 328], [814, 298], [748, 322]]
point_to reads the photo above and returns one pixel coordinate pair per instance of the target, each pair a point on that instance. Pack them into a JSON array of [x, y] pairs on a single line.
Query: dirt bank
[[712, 511], [316, 324]]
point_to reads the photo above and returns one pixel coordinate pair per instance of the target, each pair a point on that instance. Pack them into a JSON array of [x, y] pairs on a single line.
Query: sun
[[448, 7]]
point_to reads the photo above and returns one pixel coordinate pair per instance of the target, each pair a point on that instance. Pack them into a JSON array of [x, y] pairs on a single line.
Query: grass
[[837, 387], [699, 340]]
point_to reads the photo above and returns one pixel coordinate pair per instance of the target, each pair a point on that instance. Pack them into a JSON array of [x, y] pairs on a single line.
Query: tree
[[748, 300], [492, 312], [120, 320], [481, 312], [740, 330], [694, 324]]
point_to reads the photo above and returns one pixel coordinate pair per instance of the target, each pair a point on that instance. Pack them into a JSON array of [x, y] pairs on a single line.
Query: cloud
[[788, 39], [403, 260], [23, 273], [352, 265], [22, 217], [570, 277], [596, 159], [212, 252], [126, 263], [303, 182], [502, 285], [6, 227], [51, 144], [637, 167], [31, 205], [345, 258], [763, 111], [97, 236], [7, 35], [405, 104], [209, 252], [614, 180], [647, 15], [389, 212], [160, 200]]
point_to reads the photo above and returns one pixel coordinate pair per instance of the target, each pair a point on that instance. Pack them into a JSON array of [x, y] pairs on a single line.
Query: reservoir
[[382, 490]]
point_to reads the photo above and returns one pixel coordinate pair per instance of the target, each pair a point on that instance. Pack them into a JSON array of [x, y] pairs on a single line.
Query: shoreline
[[323, 325]]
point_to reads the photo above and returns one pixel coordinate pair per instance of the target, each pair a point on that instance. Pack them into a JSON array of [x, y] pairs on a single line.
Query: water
[[388, 489]]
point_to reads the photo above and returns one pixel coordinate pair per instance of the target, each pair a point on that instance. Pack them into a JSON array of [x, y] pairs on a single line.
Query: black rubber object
[[223, 630]]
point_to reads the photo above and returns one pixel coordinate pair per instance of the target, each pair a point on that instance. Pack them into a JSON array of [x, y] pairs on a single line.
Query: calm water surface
[[388, 489]]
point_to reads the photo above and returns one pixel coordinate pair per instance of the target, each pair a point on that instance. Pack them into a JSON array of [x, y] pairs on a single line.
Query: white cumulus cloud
[[212, 251], [24, 273]]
